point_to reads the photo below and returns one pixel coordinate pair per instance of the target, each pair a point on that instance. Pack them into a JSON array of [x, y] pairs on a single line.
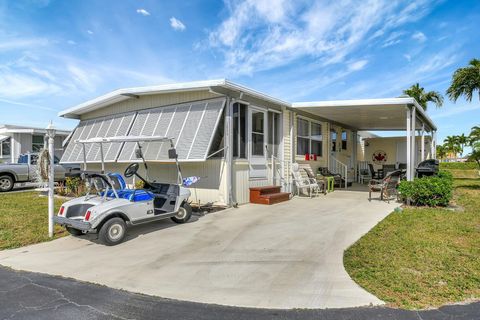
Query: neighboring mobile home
[[17, 140], [231, 136]]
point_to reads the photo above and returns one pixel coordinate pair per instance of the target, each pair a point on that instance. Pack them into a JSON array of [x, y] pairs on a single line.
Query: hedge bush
[[458, 165], [430, 191]]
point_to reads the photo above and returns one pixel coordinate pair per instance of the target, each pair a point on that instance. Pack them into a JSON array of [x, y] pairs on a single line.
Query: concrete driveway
[[284, 256]]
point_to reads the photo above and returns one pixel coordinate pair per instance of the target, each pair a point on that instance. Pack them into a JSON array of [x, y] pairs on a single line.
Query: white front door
[[258, 138]]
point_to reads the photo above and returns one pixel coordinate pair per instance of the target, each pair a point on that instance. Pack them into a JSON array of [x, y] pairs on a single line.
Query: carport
[[392, 114]]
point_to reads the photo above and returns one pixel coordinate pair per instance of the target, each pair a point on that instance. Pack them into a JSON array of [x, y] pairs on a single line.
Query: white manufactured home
[[234, 137], [16, 140]]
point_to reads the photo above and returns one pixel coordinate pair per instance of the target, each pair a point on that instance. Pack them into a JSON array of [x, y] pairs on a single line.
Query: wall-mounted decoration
[[379, 157]]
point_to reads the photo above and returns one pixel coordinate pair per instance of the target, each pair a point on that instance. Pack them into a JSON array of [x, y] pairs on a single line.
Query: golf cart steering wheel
[[131, 170]]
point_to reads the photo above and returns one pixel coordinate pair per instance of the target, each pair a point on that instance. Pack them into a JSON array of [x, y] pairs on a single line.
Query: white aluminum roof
[[127, 93], [367, 114]]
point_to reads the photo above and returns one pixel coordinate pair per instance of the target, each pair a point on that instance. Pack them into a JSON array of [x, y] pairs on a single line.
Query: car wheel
[[6, 183], [113, 232], [183, 214], [74, 232]]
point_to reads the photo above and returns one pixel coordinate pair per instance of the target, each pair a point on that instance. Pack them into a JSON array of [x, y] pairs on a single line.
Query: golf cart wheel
[[184, 213], [74, 232], [6, 183], [113, 232]]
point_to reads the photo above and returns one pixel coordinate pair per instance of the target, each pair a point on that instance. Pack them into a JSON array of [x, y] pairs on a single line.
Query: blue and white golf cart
[[109, 206]]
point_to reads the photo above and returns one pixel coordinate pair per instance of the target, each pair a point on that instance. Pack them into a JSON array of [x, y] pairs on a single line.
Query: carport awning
[[3, 138], [368, 114], [190, 125]]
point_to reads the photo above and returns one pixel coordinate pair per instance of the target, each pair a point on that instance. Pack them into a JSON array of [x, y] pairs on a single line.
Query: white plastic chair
[[303, 183]]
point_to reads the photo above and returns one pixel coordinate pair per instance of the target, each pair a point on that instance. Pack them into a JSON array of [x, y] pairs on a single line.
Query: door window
[[258, 133]]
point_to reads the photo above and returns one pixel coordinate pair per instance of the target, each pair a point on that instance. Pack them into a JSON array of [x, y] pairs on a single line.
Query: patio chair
[[386, 186], [311, 176], [388, 168], [303, 183], [339, 181], [375, 174]]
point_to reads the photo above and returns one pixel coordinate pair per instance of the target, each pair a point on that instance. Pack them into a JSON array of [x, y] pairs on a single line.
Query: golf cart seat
[[118, 183], [135, 195]]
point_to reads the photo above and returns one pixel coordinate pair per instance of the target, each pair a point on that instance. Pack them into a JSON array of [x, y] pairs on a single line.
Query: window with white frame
[[309, 137], [239, 130], [344, 140], [5, 147], [333, 139], [37, 143]]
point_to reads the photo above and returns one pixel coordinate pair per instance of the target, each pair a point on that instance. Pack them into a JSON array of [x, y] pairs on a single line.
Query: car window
[[23, 158], [33, 159]]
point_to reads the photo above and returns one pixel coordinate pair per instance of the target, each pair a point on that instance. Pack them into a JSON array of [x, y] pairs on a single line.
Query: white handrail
[[337, 166], [276, 170]]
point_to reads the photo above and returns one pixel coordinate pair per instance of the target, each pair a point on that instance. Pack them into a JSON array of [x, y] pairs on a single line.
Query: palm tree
[[462, 141], [465, 81], [451, 145], [441, 152], [422, 97], [474, 136]]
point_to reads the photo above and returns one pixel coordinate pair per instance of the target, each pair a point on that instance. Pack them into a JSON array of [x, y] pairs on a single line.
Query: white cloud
[[455, 110], [357, 65], [177, 24], [408, 57], [263, 34], [89, 31], [9, 43], [85, 79], [14, 85], [143, 12], [419, 36]]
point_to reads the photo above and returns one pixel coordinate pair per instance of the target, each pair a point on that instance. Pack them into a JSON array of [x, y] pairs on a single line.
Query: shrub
[[429, 191], [75, 186]]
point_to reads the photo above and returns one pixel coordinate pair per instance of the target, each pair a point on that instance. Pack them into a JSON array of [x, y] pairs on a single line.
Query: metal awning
[[368, 114], [190, 125], [3, 138]]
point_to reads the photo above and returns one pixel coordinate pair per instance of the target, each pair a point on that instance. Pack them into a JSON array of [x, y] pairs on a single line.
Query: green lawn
[[24, 219], [422, 258]]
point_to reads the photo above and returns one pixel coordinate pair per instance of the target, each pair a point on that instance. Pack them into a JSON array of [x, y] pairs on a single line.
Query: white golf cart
[[109, 206]]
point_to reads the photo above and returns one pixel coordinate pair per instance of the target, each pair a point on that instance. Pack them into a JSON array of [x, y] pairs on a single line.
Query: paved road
[[26, 295]]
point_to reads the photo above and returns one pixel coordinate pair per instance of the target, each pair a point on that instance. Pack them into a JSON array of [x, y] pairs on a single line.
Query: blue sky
[[56, 54]]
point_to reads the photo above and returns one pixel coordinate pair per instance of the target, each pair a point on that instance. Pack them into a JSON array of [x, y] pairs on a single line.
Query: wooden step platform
[[268, 195]]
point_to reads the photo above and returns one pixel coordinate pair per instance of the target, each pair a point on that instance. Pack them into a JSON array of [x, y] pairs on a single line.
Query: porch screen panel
[[189, 124], [116, 125]]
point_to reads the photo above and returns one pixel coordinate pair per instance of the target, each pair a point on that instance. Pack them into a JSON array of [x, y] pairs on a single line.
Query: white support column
[[409, 142], [354, 154], [422, 157], [413, 152], [434, 145], [229, 151]]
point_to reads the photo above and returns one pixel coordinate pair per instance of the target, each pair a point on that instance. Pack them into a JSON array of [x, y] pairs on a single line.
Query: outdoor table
[[330, 183]]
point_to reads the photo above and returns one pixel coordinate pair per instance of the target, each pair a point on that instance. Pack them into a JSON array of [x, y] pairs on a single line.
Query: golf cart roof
[[125, 139]]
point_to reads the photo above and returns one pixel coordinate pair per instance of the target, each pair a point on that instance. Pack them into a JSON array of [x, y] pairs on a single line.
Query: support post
[[409, 142], [422, 156], [413, 152], [51, 177], [434, 145], [229, 150], [354, 154]]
